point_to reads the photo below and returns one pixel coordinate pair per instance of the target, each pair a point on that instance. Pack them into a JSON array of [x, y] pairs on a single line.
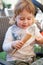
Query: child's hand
[[17, 44], [39, 40]]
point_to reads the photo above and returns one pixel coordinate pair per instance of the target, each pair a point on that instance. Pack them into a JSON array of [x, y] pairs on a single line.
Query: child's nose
[[25, 21]]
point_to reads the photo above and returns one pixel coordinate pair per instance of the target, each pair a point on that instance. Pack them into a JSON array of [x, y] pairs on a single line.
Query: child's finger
[[38, 38]]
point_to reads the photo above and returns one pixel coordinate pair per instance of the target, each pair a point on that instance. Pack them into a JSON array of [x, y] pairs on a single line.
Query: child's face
[[24, 19]]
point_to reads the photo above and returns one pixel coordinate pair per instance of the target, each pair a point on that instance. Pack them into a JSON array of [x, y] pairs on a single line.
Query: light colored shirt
[[15, 33]]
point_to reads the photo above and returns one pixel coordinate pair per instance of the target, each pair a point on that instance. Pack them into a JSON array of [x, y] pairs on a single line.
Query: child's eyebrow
[[24, 16], [21, 17]]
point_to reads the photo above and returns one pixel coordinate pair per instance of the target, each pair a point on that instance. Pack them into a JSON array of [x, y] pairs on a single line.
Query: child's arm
[[36, 32], [39, 40], [38, 36], [8, 41]]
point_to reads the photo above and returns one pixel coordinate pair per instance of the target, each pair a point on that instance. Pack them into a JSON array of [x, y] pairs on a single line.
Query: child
[[24, 17]]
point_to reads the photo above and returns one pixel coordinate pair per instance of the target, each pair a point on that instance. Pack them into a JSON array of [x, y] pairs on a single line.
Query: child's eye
[[22, 18], [28, 18]]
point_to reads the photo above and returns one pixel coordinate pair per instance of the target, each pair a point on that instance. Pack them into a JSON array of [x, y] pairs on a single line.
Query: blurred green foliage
[[38, 49], [6, 5]]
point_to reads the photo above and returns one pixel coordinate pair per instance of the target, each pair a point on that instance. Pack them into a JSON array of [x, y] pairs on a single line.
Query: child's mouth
[[24, 25]]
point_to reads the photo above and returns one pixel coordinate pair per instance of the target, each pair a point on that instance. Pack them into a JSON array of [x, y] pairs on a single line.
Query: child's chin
[[24, 27]]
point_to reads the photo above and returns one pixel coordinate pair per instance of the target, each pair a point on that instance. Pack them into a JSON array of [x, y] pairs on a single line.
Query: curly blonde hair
[[21, 5]]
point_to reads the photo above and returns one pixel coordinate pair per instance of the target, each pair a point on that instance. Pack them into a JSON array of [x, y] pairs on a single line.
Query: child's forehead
[[21, 16], [25, 13]]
